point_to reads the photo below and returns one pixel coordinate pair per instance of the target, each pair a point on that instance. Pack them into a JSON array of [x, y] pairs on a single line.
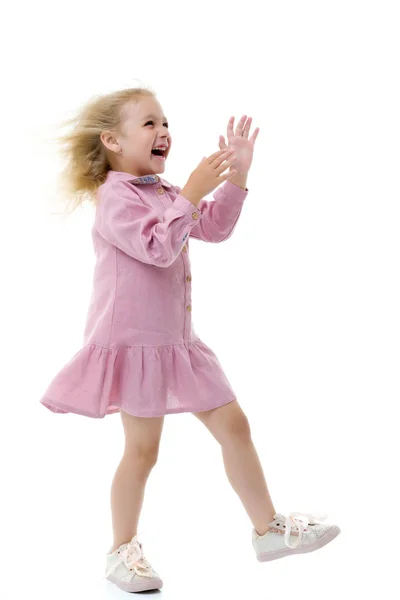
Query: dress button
[[184, 249], [160, 190], [195, 215], [189, 307], [188, 278]]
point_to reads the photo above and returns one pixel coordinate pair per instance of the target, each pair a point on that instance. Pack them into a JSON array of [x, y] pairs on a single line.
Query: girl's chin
[[158, 161]]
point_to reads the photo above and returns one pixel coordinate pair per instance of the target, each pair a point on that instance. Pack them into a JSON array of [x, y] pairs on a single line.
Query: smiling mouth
[[159, 153]]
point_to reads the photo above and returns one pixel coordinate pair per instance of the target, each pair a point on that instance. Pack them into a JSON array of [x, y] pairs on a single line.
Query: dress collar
[[146, 179]]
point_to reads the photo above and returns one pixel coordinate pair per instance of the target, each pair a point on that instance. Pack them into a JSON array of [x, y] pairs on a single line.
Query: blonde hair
[[86, 160]]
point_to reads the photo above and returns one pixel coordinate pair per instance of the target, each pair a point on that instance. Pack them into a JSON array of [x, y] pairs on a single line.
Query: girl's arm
[[219, 216], [126, 222]]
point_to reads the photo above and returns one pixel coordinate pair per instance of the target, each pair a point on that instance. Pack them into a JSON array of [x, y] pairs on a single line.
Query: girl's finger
[[227, 175], [222, 156], [218, 154], [224, 164], [255, 134], [246, 129], [239, 126], [222, 146], [230, 127]]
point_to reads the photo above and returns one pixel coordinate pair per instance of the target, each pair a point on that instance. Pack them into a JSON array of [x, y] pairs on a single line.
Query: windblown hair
[[85, 156]]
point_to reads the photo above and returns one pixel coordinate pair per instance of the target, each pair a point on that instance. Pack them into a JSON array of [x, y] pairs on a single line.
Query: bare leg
[[142, 438], [245, 474], [230, 427]]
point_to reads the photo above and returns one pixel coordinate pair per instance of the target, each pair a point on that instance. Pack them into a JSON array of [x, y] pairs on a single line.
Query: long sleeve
[[136, 229], [219, 216]]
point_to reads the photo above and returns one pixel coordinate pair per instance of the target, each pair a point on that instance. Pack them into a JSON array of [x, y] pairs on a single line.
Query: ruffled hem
[[144, 381]]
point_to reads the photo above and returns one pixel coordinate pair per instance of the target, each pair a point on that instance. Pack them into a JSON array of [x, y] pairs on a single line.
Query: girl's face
[[143, 128]]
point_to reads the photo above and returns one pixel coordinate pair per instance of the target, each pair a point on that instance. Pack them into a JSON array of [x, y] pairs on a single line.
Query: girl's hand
[[209, 174], [240, 143]]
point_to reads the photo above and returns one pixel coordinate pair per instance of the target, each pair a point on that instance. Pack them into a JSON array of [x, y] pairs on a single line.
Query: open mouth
[[158, 153]]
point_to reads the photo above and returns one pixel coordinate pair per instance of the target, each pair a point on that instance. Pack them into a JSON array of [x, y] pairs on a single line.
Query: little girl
[[141, 356]]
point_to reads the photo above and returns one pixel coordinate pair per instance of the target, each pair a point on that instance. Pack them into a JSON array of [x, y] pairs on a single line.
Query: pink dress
[[140, 352]]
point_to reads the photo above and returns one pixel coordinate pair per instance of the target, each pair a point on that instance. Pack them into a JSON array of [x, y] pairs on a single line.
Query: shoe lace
[[132, 556], [301, 521]]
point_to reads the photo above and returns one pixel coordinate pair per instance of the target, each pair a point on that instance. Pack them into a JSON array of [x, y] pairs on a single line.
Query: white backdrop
[[301, 304]]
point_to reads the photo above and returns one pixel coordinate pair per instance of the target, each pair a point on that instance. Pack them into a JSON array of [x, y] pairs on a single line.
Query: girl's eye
[[166, 124]]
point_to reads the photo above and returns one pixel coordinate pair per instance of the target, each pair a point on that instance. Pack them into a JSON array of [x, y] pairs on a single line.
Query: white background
[[301, 304]]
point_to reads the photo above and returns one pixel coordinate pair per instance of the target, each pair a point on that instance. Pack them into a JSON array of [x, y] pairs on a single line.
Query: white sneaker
[[128, 568], [294, 534]]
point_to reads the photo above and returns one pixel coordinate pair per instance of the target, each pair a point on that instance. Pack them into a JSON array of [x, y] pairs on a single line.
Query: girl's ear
[[109, 141]]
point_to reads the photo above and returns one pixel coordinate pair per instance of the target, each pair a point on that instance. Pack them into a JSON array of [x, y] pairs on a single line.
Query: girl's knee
[[142, 438], [239, 427], [143, 455]]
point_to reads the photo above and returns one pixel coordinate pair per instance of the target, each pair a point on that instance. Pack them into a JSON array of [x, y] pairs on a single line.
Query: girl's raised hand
[[239, 141]]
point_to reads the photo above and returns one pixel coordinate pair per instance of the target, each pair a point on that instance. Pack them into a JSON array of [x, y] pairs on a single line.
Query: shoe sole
[[273, 555], [137, 586]]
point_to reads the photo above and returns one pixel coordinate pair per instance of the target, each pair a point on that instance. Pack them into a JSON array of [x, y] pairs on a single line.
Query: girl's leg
[[230, 427], [142, 440]]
